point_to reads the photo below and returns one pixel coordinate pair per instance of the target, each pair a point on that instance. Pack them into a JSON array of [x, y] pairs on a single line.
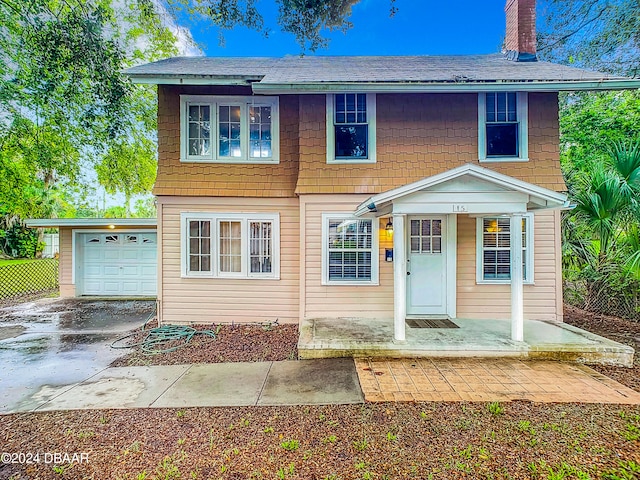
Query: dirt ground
[[614, 328], [439, 440]]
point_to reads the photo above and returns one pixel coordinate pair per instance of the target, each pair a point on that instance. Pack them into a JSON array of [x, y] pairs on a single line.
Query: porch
[[360, 337]]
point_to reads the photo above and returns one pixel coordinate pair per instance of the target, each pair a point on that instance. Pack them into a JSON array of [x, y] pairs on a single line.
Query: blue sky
[[420, 27]]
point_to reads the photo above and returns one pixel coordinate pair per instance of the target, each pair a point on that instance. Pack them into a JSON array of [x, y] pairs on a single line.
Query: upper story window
[[229, 129], [351, 128], [503, 129]]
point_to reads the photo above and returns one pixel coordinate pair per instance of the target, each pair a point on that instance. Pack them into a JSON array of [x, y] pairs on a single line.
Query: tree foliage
[[128, 167], [304, 19], [597, 34], [64, 103]]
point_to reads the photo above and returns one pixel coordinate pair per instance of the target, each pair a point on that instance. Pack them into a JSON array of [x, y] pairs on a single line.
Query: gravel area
[[439, 440]]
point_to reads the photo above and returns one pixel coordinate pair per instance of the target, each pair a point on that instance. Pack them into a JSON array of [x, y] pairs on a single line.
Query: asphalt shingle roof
[[370, 69]]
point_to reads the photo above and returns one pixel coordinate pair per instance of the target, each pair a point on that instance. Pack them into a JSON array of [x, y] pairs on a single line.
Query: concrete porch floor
[[359, 337]]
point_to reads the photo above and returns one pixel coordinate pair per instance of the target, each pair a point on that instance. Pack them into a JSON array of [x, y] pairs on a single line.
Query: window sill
[[501, 282], [236, 161], [502, 159], [350, 284], [350, 161], [224, 277]]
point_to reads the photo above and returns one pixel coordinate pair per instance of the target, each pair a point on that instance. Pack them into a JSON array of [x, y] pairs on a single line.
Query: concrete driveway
[[49, 345]]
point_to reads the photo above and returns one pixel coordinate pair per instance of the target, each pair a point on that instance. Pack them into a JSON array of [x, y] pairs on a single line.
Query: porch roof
[[465, 176]]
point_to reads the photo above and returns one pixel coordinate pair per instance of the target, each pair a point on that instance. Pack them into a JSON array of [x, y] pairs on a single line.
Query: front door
[[426, 266]]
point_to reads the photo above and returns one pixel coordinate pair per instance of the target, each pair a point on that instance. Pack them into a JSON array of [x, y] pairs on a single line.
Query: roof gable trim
[[538, 195]]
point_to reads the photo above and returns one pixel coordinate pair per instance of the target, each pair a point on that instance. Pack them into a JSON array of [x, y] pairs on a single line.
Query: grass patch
[[17, 261], [27, 276]]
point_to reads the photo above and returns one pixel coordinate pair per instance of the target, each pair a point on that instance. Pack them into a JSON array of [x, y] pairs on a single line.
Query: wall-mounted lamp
[[389, 226], [112, 227]]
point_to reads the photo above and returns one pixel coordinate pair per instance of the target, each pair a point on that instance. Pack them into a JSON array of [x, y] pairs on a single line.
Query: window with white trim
[[230, 245], [351, 128], [349, 250], [494, 249], [503, 126], [235, 129]]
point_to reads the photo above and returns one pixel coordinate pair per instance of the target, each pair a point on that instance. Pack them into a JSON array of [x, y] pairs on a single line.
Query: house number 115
[[459, 208]]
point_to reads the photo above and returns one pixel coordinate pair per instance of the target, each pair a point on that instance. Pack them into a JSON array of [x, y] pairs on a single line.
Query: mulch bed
[[232, 343]]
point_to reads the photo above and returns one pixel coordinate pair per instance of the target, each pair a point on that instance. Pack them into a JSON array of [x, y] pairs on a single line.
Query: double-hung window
[[502, 121], [349, 250], [494, 249], [230, 245], [351, 128], [233, 129]]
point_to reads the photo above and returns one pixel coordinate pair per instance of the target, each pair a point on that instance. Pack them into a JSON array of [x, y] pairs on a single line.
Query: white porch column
[[399, 278], [517, 298]]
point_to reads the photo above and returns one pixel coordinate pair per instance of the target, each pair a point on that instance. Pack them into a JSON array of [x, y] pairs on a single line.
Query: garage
[[106, 257], [117, 264]]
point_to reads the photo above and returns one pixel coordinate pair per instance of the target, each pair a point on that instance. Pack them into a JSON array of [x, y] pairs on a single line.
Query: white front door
[[426, 266]]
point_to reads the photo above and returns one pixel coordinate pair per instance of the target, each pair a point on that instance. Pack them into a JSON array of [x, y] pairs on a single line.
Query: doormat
[[431, 323]]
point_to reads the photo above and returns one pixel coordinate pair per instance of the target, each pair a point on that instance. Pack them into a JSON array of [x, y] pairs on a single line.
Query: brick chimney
[[520, 39]]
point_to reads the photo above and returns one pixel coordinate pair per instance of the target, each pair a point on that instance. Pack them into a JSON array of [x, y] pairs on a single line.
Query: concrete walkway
[[483, 380], [302, 382], [332, 381]]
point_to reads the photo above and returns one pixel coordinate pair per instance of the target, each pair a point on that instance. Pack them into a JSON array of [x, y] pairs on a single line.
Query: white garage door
[[119, 263]]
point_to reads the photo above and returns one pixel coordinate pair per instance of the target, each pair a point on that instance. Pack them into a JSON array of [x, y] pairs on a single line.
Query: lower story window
[[230, 245], [199, 245], [349, 250], [494, 249]]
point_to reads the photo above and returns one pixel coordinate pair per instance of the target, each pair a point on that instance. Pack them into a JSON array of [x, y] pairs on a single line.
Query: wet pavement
[[49, 345]]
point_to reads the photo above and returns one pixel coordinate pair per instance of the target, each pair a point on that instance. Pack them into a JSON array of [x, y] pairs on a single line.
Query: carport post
[[517, 297]]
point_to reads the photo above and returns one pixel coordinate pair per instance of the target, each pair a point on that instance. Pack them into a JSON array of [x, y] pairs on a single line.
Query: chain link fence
[[29, 278], [598, 298]]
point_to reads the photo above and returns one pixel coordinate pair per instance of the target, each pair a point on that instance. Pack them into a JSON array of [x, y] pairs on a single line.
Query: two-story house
[[363, 187]]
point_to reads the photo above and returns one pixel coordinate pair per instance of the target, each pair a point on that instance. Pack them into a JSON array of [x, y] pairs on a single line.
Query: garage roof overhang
[[92, 222], [468, 189]]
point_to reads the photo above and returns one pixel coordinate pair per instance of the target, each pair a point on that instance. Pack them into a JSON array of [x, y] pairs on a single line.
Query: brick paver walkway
[[487, 380]]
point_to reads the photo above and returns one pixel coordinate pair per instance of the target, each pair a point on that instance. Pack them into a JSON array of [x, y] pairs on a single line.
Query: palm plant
[[602, 242]]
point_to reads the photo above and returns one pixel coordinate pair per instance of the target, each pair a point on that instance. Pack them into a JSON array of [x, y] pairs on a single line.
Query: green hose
[[159, 335]]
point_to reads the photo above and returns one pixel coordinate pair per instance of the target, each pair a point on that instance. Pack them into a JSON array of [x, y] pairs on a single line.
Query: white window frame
[[214, 101], [522, 115], [529, 279], [375, 251], [371, 134], [245, 219]]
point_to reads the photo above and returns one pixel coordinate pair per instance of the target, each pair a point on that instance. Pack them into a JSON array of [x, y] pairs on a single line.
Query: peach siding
[[214, 300], [65, 264], [223, 179], [419, 135], [341, 300], [494, 301], [473, 300]]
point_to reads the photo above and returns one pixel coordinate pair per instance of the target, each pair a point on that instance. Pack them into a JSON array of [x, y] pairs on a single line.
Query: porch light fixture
[[112, 227], [389, 226]]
